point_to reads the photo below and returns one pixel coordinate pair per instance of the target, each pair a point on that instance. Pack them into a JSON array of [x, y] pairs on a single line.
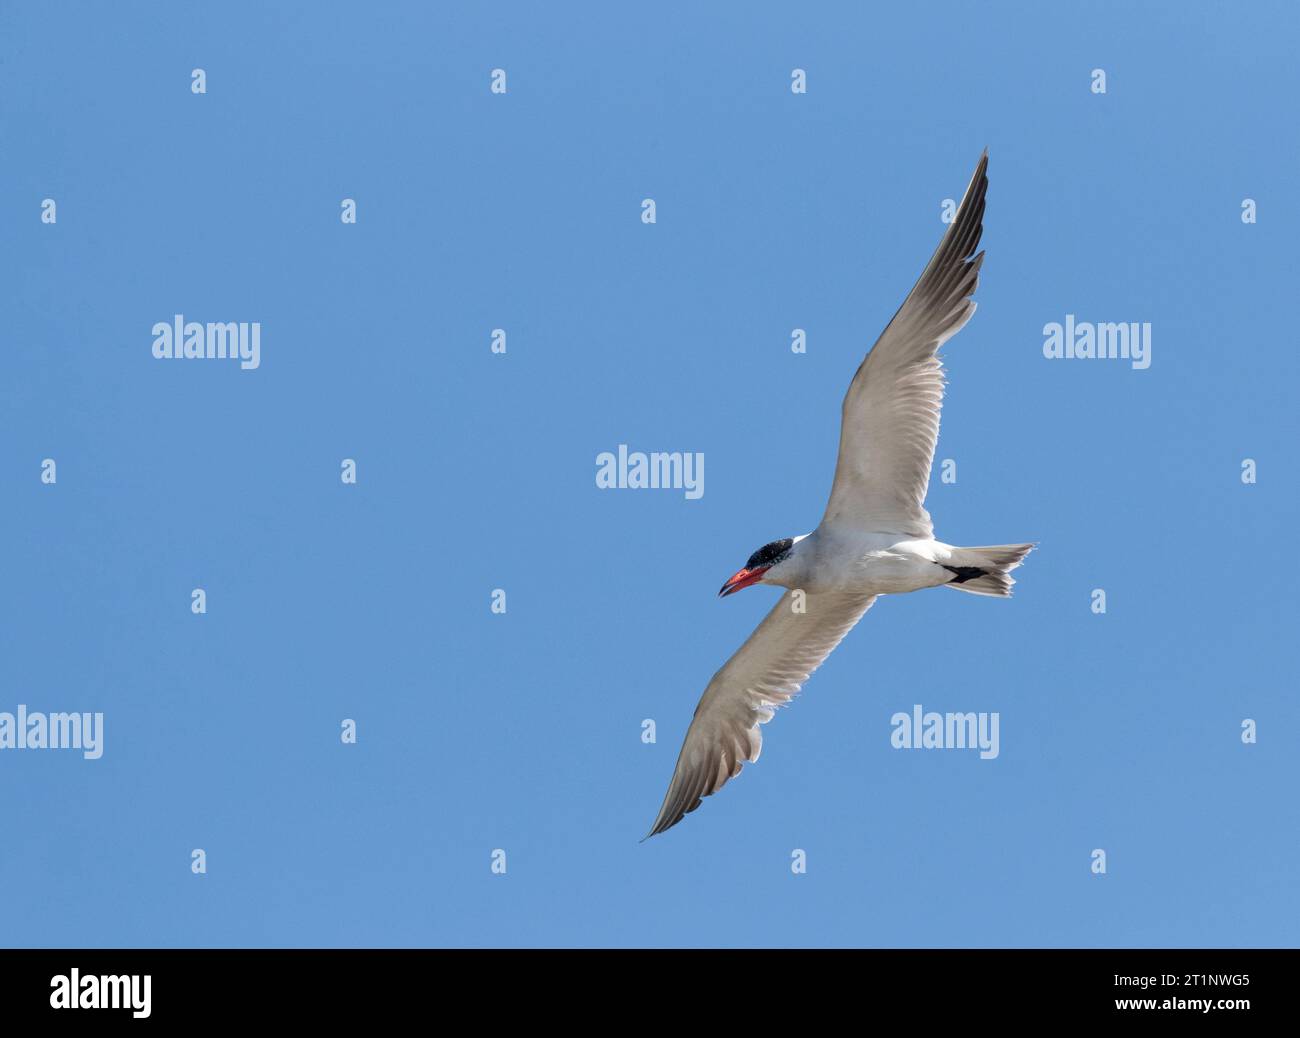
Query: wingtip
[[660, 827]]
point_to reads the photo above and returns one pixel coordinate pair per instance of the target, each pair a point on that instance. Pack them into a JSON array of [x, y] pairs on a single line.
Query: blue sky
[[476, 471]]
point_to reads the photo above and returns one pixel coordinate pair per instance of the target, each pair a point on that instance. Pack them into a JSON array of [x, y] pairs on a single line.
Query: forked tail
[[987, 570]]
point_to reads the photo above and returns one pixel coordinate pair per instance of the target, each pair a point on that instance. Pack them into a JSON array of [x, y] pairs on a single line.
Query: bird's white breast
[[838, 558]]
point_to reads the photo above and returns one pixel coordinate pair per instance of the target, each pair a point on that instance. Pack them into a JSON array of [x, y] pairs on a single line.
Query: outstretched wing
[[765, 673], [890, 419]]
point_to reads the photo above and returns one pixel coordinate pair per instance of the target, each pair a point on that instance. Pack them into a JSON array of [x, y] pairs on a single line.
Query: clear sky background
[[477, 471]]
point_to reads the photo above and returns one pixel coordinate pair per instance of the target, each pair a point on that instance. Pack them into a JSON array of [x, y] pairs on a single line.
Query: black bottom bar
[[365, 986]]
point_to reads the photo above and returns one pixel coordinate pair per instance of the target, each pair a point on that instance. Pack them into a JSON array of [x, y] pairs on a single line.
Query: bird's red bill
[[742, 579]]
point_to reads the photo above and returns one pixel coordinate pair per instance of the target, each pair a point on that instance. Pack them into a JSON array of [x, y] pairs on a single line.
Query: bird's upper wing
[[890, 420], [766, 672]]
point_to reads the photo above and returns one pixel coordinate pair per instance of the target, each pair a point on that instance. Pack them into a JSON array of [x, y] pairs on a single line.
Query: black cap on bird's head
[[759, 563]]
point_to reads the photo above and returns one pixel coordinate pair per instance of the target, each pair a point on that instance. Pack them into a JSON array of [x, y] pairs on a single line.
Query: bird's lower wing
[[765, 673], [890, 420]]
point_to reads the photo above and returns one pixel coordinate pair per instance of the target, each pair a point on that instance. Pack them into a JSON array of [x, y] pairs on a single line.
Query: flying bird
[[875, 538]]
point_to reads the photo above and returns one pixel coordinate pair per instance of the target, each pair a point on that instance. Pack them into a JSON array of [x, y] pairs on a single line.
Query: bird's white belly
[[879, 564]]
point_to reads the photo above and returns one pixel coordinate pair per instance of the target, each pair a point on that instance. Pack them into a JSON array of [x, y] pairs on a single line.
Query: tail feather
[[986, 570]]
